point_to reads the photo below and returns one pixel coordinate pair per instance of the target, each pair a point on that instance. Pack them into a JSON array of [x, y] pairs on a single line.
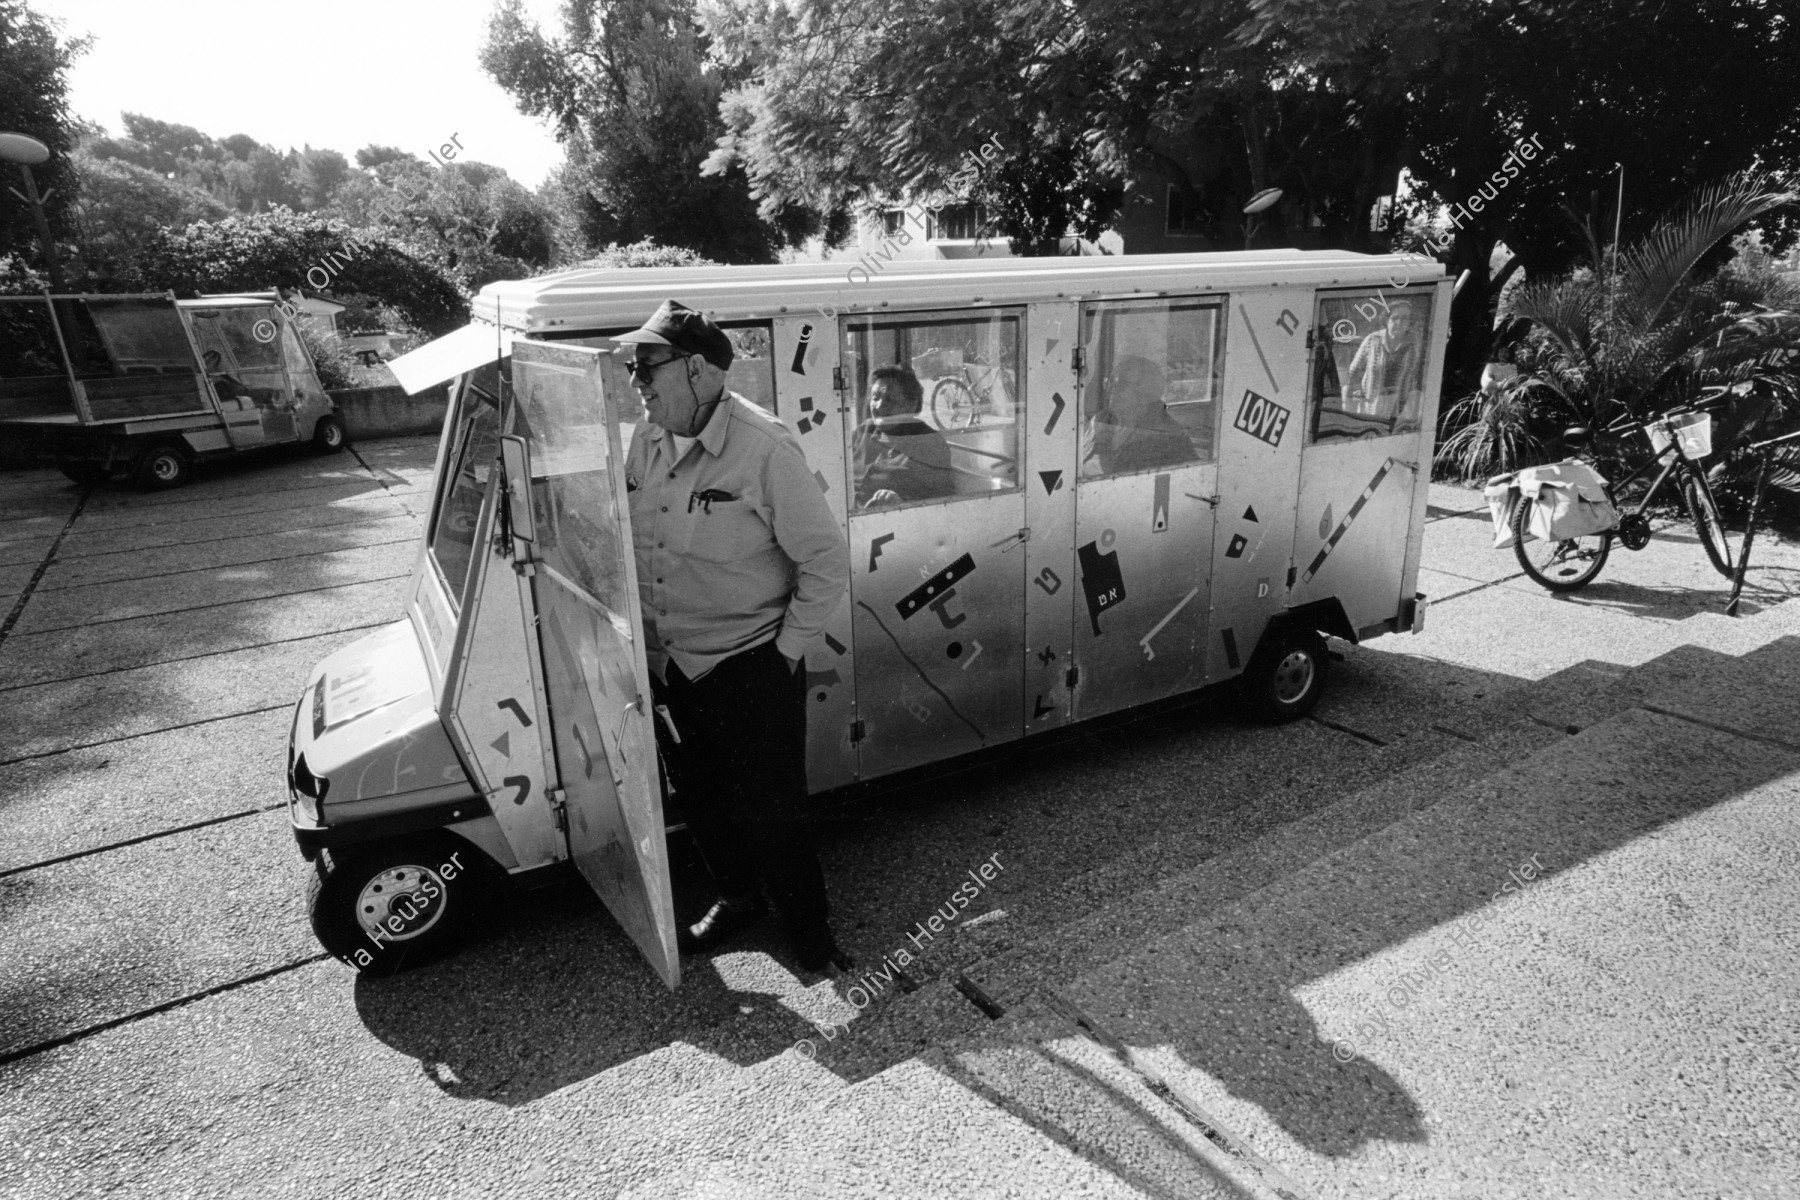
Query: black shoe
[[727, 916], [816, 949]]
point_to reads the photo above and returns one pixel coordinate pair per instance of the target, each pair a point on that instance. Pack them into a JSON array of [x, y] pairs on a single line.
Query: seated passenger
[[898, 458], [1134, 432]]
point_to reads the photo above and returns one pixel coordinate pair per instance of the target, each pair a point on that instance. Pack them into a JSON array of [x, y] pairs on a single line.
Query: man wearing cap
[[740, 563]]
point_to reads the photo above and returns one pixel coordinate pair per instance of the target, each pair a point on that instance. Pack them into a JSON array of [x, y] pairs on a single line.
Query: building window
[[893, 221], [957, 223], [1185, 215]]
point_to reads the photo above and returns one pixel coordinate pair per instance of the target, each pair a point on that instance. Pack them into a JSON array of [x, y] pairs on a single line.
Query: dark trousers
[[740, 774]]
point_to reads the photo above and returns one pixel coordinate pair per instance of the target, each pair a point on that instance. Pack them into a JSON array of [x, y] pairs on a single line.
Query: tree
[[122, 206], [317, 176], [635, 105], [285, 249], [34, 100]]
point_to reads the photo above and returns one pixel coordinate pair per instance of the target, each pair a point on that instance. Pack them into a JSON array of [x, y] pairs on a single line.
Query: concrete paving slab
[[218, 482], [1392, 1022], [1440, 586], [76, 801], [1449, 499], [1671, 578], [64, 970], [119, 645], [210, 588], [30, 550], [1530, 634], [1753, 695], [84, 539], [48, 717], [225, 552], [14, 577], [1390, 696], [134, 514], [1464, 545]]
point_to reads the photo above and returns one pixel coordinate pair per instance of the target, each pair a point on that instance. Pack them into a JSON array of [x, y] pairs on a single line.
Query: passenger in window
[[899, 458], [1387, 371], [1134, 432]]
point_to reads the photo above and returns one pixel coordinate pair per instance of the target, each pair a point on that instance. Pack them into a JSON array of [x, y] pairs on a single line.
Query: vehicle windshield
[[467, 469]]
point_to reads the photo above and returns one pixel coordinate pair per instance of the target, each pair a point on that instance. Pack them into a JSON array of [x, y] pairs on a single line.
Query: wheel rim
[[1293, 676], [1569, 559], [399, 892], [166, 468], [333, 435]]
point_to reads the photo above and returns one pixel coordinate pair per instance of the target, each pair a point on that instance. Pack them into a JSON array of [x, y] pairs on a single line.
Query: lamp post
[[28, 152], [1264, 199]]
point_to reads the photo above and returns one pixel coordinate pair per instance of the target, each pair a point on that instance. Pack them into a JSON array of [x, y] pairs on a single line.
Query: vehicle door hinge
[[837, 379], [559, 808], [1072, 677], [1078, 359], [525, 566], [857, 732], [1290, 577], [1309, 338]]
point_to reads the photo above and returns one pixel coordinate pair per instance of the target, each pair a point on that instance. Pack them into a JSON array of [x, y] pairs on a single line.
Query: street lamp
[[29, 152], [1264, 199]]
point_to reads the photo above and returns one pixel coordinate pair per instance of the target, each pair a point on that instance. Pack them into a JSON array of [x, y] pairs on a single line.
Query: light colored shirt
[[735, 544]]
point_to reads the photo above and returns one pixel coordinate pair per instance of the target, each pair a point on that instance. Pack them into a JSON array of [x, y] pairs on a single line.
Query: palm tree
[[1642, 332]]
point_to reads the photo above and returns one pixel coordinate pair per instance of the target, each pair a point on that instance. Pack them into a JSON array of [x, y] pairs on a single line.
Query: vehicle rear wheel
[[1561, 566], [1707, 522], [87, 474], [329, 435], [1286, 675], [396, 905], [162, 465]]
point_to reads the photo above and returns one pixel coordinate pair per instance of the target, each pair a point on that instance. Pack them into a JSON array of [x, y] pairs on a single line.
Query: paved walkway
[[171, 1027]]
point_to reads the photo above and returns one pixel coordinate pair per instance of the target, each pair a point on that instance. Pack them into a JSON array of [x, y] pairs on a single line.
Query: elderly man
[[1134, 432], [740, 562]]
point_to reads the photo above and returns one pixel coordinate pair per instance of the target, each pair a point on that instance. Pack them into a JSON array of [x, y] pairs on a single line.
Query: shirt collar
[[712, 435]]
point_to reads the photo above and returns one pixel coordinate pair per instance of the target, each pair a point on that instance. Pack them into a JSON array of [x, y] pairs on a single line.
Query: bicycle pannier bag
[[1569, 501], [1502, 494]]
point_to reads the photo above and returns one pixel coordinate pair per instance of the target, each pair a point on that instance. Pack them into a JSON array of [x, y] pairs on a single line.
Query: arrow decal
[[1056, 412], [517, 711]]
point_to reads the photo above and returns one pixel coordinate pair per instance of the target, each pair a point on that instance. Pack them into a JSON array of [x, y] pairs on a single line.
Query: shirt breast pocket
[[727, 530]]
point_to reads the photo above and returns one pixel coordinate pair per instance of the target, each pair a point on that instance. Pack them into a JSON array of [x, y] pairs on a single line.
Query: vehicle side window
[[752, 373], [1369, 355], [1150, 385], [240, 350], [938, 400], [467, 468]]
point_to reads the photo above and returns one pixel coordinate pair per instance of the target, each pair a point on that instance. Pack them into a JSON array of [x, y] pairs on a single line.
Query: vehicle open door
[[571, 533]]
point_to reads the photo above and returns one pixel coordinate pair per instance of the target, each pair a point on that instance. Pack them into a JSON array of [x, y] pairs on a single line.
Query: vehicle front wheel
[[1286, 675], [1560, 566], [161, 466], [329, 435], [396, 905]]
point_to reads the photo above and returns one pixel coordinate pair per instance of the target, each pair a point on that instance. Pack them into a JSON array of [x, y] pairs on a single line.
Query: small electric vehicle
[[149, 385], [1164, 473]]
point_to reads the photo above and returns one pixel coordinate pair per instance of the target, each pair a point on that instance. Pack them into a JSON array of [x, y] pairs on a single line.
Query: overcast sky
[[333, 73]]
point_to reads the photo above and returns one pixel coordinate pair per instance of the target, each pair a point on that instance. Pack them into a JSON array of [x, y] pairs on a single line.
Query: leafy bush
[[336, 366], [645, 253]]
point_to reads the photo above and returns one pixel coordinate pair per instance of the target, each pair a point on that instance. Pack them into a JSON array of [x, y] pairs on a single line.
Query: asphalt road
[[170, 1026]]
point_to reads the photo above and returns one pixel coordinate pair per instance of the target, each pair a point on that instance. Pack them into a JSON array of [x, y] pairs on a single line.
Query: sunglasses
[[637, 368]]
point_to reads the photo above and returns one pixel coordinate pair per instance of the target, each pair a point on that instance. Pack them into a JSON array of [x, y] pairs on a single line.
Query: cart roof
[[613, 297]]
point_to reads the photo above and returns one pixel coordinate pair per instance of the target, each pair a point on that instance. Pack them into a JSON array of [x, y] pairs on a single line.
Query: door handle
[[1006, 545]]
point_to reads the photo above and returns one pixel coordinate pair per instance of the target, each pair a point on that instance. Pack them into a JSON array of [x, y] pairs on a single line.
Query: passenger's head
[[1402, 317], [1134, 392], [894, 391]]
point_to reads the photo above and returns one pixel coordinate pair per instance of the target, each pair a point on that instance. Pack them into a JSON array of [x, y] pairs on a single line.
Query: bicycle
[[1681, 437], [963, 392], [1767, 450]]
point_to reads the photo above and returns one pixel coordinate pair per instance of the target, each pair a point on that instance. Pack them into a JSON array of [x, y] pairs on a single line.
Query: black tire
[[1286, 675], [952, 404], [87, 474], [431, 884], [1564, 566], [329, 435], [1707, 522], [162, 465]]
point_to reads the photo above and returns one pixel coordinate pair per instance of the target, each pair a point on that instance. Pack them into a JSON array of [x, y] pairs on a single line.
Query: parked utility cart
[[1158, 474], [149, 385]]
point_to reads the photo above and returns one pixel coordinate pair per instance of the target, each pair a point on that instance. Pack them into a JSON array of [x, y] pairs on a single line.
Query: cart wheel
[[1286, 674], [396, 905], [87, 474], [328, 435], [161, 466]]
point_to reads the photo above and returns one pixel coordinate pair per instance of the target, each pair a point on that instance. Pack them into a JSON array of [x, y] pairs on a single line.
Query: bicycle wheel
[[953, 404], [1560, 566], [1707, 523]]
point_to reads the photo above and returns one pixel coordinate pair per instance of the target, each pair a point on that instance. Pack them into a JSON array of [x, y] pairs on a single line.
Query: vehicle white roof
[[619, 297]]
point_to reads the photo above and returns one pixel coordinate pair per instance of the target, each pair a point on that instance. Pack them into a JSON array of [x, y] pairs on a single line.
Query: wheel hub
[[399, 893], [1293, 676]]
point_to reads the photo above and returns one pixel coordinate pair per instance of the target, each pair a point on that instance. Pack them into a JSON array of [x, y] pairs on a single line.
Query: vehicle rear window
[[467, 469]]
